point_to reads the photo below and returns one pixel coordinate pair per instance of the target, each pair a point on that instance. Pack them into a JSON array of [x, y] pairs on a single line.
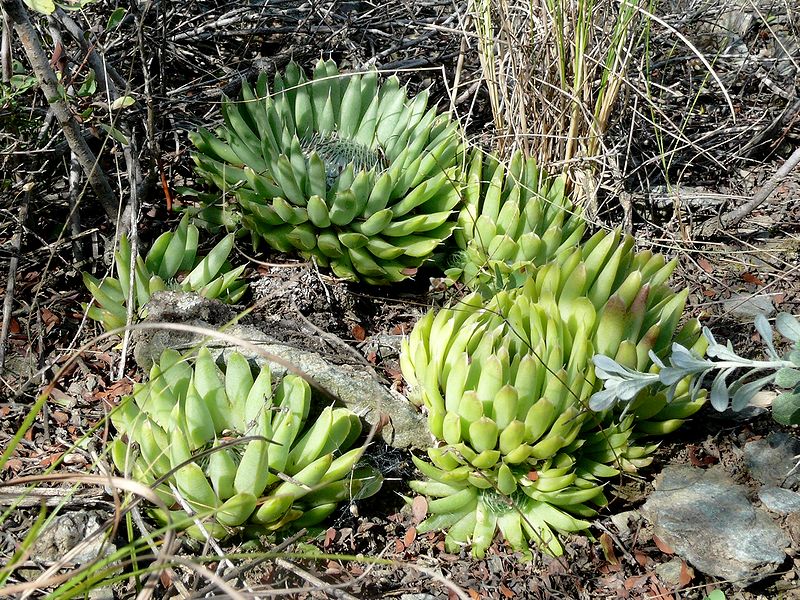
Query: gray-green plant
[[513, 219], [338, 167], [172, 263], [235, 452], [623, 383], [506, 383]]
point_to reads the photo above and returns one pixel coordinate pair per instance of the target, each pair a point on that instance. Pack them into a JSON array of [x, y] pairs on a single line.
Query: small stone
[[771, 460], [747, 307], [779, 500], [707, 519], [67, 531], [670, 572], [495, 565], [103, 593], [422, 596], [622, 522]]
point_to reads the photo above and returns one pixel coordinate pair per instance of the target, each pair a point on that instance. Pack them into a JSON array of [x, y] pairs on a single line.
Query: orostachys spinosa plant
[[235, 452], [172, 263], [339, 167], [513, 219], [506, 384]]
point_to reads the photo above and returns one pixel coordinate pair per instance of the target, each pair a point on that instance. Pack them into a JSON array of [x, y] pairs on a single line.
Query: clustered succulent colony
[[339, 168], [512, 220], [171, 255], [368, 181], [506, 384], [263, 466]]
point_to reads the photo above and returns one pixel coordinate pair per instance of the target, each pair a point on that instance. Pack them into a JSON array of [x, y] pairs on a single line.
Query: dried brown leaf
[[419, 509], [662, 545]]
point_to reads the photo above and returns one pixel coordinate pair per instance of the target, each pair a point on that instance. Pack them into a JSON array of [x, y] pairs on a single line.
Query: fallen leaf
[[410, 536], [687, 574], [752, 279], [607, 544], [49, 460], [710, 293], [399, 547], [634, 581], [165, 578], [334, 568], [330, 535], [506, 592], [60, 417], [662, 545], [699, 461], [419, 509], [50, 319], [473, 594], [61, 397], [641, 557], [777, 299], [658, 591], [359, 333], [14, 327], [705, 265], [13, 464], [399, 329]]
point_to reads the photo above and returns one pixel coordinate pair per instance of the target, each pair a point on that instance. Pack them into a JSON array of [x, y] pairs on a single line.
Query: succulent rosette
[[506, 384], [514, 218], [172, 255], [338, 167], [236, 453]]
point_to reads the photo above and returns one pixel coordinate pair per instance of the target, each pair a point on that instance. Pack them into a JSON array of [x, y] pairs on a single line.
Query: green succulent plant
[[340, 168], [506, 384], [239, 453], [172, 254], [513, 219]]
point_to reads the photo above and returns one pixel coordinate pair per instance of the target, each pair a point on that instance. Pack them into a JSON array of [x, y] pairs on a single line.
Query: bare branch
[[18, 16]]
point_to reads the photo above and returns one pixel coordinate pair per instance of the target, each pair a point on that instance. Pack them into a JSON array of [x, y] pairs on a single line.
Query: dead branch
[[735, 216], [46, 78]]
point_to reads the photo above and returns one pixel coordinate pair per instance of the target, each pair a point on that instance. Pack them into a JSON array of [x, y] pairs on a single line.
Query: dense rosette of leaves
[[514, 218], [172, 263], [340, 168], [506, 384], [238, 454]]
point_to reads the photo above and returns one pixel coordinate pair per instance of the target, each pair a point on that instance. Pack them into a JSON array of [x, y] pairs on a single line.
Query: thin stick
[[11, 281], [46, 78], [735, 216], [314, 580]]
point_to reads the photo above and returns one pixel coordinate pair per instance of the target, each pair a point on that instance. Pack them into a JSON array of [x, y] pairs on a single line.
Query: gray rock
[[103, 593], [670, 572], [706, 517], [284, 346], [779, 500], [747, 307], [66, 532], [772, 459], [622, 521]]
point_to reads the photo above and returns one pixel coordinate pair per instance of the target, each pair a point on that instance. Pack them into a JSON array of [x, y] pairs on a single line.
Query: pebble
[[771, 460], [707, 519], [779, 500]]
